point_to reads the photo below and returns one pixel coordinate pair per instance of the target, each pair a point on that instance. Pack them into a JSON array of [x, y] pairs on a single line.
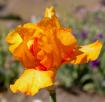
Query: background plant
[[9, 69], [89, 77]]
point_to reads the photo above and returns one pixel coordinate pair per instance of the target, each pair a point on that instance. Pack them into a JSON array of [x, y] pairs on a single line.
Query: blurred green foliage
[[9, 69], [88, 77]]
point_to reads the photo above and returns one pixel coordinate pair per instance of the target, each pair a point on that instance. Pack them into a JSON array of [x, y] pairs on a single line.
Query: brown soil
[[62, 96]]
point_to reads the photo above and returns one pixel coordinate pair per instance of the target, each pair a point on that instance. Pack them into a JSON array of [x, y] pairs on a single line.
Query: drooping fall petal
[[87, 53], [31, 81]]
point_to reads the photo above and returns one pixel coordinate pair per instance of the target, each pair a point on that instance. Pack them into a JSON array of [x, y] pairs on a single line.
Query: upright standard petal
[[49, 12], [31, 81], [50, 19], [86, 53]]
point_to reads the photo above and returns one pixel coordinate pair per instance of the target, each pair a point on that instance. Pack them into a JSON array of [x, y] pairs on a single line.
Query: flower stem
[[52, 93]]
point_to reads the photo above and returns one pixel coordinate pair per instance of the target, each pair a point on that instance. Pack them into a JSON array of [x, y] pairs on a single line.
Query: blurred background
[[76, 83]]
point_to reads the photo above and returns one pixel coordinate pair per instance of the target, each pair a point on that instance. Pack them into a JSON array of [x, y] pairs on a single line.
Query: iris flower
[[42, 48]]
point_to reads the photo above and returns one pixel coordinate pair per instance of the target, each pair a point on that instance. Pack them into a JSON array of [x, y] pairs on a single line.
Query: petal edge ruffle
[[31, 81]]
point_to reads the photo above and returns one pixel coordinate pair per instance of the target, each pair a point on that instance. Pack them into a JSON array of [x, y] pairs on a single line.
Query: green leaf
[[103, 60], [89, 87], [85, 78]]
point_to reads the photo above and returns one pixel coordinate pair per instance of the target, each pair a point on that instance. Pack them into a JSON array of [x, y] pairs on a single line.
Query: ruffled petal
[[25, 56], [14, 40], [31, 81], [51, 23], [87, 53], [66, 37]]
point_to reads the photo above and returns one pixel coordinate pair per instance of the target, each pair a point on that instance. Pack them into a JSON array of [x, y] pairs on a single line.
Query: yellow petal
[[32, 26], [87, 53], [31, 81], [49, 12], [66, 37], [14, 39], [29, 43]]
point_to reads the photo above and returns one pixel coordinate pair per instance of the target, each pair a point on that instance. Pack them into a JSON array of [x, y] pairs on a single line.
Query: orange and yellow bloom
[[42, 48]]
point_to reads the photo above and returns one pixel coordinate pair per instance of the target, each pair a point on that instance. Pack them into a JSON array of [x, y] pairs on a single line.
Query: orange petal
[[28, 30], [50, 19], [66, 37], [31, 81], [87, 53], [49, 23], [23, 54]]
